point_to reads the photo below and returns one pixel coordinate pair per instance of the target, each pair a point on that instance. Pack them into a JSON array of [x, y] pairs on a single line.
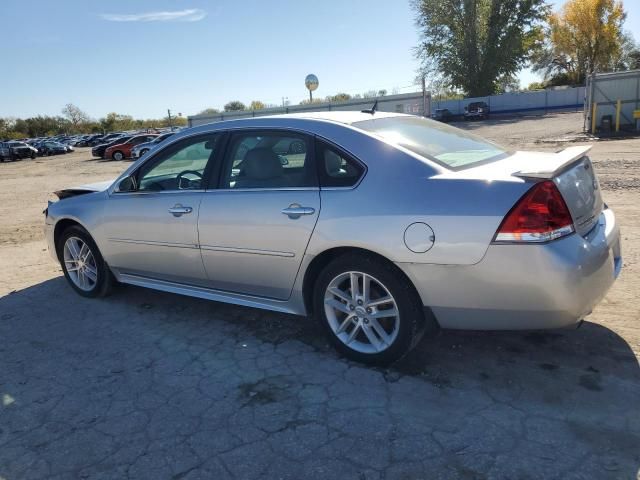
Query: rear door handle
[[178, 210], [294, 211]]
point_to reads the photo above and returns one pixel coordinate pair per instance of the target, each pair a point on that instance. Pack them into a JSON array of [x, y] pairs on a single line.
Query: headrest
[[261, 163]]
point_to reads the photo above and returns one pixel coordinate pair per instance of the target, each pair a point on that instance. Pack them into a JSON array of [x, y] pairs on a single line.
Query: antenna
[[373, 109]]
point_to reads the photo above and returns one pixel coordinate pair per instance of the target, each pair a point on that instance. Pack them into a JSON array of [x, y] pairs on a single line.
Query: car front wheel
[[82, 264], [369, 310]]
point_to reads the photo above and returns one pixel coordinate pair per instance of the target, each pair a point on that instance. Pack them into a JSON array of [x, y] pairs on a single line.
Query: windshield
[[449, 146]]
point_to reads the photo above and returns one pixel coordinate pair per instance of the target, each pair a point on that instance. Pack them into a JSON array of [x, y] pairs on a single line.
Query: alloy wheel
[[361, 312], [80, 264]]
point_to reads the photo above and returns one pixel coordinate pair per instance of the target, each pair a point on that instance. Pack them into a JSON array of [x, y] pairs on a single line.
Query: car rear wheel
[[82, 264], [369, 310], [117, 155]]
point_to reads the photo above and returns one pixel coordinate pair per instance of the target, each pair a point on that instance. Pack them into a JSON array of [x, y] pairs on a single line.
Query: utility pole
[[170, 124]]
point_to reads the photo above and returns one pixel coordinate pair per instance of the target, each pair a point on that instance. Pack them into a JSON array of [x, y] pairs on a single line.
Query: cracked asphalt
[[149, 385]]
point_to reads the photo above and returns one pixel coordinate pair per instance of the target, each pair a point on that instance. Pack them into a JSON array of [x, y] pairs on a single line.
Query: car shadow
[[551, 404]]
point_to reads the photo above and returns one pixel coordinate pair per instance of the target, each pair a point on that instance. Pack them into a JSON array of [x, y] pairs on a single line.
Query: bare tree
[[74, 115]]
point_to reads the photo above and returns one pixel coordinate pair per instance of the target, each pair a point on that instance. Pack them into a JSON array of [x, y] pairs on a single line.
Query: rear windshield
[[444, 144]]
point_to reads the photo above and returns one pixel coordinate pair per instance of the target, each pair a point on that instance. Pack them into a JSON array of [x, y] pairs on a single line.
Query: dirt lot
[[151, 385]]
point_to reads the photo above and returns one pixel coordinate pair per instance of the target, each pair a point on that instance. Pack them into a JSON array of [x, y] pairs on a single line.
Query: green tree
[[583, 37], [234, 106], [309, 102], [256, 105], [473, 44], [507, 83], [338, 97], [209, 111], [629, 56], [536, 86]]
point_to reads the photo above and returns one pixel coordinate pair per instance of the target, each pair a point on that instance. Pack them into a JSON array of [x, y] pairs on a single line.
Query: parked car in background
[[84, 142], [98, 150], [48, 148], [5, 152], [443, 115], [476, 110], [112, 136], [96, 140], [68, 144], [102, 139], [20, 150], [381, 226], [121, 151], [141, 149]]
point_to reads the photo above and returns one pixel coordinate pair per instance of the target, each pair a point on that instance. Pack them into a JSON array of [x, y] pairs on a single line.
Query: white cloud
[[187, 15]]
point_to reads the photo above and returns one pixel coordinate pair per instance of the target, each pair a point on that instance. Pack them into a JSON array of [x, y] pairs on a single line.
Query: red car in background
[[123, 150]]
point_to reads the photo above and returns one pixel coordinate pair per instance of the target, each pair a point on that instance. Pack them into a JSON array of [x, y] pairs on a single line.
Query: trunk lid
[[570, 169], [572, 172]]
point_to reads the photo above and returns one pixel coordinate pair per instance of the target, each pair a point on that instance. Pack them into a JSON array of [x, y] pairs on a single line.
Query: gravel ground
[[151, 385]]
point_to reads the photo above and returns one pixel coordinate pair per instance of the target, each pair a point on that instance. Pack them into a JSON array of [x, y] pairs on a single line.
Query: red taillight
[[539, 216]]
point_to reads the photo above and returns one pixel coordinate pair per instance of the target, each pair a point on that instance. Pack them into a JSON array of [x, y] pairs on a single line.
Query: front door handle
[[294, 211], [178, 210]]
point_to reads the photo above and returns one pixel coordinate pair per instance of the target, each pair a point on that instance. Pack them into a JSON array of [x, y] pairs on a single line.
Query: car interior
[[270, 161]]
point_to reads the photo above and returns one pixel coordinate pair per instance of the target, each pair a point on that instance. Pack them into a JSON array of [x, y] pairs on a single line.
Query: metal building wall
[[605, 89], [404, 103], [570, 98]]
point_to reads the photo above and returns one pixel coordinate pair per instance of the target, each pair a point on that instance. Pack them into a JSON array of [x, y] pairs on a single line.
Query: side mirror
[[127, 184]]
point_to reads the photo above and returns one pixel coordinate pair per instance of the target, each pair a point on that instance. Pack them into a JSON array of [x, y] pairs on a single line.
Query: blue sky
[[140, 57]]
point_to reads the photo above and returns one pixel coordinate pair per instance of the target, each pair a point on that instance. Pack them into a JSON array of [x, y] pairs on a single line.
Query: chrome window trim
[[270, 189], [161, 192], [225, 130]]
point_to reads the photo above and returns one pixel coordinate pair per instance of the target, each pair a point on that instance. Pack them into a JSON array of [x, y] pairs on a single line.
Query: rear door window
[[268, 160]]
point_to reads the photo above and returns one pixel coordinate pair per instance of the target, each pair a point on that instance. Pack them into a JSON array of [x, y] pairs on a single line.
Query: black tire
[[412, 321], [33, 155], [105, 280], [117, 152]]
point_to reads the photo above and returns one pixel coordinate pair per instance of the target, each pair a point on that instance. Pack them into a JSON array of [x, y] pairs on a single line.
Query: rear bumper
[[518, 287]]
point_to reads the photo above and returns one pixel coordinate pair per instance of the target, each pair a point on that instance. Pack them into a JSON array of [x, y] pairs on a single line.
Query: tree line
[[75, 121], [476, 47], [238, 106]]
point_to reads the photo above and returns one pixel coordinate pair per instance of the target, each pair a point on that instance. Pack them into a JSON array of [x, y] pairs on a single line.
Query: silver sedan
[[381, 226]]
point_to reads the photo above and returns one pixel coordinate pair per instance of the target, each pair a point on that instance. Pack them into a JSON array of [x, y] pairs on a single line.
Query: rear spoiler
[[553, 166]]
